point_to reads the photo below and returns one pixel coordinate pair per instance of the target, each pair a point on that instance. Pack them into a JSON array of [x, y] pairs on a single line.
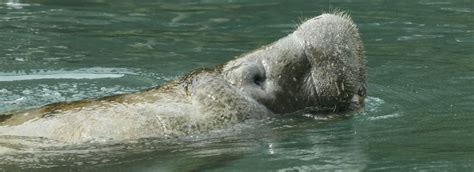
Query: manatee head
[[319, 66]]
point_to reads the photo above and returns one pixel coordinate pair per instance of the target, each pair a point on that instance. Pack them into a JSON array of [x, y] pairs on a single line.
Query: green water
[[418, 115]]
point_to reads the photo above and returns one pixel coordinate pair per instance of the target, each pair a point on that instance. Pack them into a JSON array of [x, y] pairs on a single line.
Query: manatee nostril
[[258, 80]]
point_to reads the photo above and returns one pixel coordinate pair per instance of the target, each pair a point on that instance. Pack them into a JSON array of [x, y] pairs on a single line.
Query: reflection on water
[[277, 141], [418, 114], [195, 151]]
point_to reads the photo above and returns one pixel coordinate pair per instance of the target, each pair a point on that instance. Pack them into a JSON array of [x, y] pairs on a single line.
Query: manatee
[[318, 68]]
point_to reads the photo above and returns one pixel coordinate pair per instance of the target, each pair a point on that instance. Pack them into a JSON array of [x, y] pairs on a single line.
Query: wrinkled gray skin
[[319, 67]]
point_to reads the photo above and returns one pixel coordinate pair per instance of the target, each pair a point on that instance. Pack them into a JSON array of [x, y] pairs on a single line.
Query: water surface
[[419, 110]]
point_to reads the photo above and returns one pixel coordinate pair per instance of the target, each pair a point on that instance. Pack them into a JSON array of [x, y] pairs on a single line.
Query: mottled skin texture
[[319, 67]]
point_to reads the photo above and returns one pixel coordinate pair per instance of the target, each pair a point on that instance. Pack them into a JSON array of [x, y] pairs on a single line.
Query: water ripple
[[384, 116], [59, 76], [90, 73]]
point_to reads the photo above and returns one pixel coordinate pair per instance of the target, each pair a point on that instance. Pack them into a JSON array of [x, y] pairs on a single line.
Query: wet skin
[[319, 67]]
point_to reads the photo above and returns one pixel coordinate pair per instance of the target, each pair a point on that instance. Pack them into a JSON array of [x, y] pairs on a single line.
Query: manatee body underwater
[[319, 66]]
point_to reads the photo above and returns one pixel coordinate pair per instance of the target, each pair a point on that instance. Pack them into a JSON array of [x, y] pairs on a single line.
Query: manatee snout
[[320, 65]]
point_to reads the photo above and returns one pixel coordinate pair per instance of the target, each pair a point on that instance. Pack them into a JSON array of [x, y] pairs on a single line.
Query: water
[[418, 115]]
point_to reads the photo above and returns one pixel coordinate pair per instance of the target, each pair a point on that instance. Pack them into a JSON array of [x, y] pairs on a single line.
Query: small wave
[[465, 39], [463, 10], [327, 167], [88, 73], [434, 3], [59, 76], [418, 37], [15, 4], [463, 78], [384, 116]]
